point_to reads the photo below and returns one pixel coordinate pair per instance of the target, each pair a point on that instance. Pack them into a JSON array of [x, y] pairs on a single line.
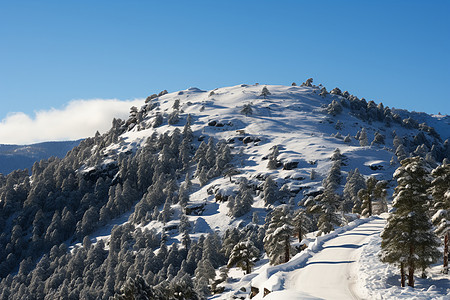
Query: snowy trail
[[330, 273]]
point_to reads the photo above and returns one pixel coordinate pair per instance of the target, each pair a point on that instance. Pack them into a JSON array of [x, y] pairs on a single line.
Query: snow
[[332, 267], [343, 264], [381, 281], [317, 271]]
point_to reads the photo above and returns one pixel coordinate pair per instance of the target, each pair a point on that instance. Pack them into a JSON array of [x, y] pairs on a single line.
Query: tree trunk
[[411, 267], [286, 250], [249, 270], [370, 206], [402, 274], [300, 234], [446, 253]]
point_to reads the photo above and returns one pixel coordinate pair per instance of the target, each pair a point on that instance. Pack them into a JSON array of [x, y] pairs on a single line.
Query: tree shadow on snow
[[351, 246], [330, 262]]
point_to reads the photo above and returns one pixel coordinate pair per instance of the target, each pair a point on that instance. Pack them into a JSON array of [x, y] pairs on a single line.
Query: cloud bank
[[78, 119]]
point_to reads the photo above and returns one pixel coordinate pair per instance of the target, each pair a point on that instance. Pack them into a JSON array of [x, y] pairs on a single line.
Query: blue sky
[[52, 52]]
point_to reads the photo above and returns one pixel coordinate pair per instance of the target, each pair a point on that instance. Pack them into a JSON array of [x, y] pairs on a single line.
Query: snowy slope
[[294, 118]]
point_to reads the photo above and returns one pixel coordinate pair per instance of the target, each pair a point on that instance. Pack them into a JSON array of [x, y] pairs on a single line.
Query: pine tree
[[355, 182], [327, 204], [243, 255], [247, 109], [265, 92], [243, 202], [302, 223], [440, 190], [374, 190], [333, 179], [269, 191], [363, 141], [378, 139], [334, 108], [278, 234], [408, 239], [230, 239]]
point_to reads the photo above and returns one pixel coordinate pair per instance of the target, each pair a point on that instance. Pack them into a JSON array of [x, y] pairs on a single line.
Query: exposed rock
[[247, 140], [290, 165]]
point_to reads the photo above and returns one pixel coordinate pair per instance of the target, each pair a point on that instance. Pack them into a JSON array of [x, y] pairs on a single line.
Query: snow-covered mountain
[[165, 194], [18, 157]]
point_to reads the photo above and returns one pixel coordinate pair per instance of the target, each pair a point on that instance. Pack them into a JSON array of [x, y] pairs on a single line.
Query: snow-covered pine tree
[[243, 255], [244, 201], [247, 109], [265, 92], [334, 108], [363, 141], [400, 152], [440, 190], [270, 190], [326, 207], [302, 223], [333, 179], [273, 162], [366, 196], [230, 239], [355, 182], [378, 139], [277, 239], [347, 139], [408, 239]]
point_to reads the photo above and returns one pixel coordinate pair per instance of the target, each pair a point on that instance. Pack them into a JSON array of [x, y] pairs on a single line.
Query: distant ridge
[[19, 157]]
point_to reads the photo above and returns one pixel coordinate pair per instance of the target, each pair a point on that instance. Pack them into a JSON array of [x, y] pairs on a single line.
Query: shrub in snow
[[336, 91], [334, 108], [378, 139], [363, 141], [247, 109], [339, 125], [308, 82], [323, 92], [347, 139]]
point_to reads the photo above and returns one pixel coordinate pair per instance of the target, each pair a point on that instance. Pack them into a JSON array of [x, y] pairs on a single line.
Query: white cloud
[[78, 119]]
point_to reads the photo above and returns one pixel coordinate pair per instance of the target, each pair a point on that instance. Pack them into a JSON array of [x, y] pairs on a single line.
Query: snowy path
[[330, 273]]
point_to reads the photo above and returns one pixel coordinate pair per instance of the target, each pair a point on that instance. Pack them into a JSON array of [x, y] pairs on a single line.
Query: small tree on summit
[[265, 92], [308, 82]]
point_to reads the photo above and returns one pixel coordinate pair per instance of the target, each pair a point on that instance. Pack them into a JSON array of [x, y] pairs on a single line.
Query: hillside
[[157, 204]]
